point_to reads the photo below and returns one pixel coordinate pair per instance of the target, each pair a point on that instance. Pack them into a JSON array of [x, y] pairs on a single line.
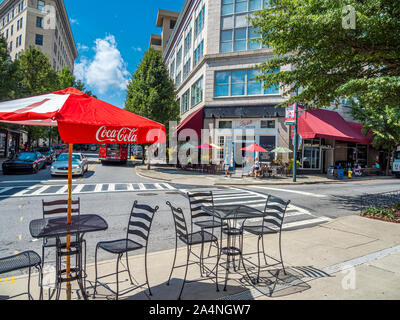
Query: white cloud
[[107, 71], [137, 49], [82, 47], [73, 21]]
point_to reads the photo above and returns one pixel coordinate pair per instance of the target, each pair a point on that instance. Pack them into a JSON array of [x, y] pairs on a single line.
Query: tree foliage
[[329, 62], [8, 81], [151, 93]]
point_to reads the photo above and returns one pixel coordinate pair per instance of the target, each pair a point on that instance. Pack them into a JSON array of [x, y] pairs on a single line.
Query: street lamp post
[[295, 142]]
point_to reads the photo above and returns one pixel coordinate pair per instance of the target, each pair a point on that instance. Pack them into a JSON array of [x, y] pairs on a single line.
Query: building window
[[39, 39], [178, 79], [39, 22], [198, 53], [12, 30], [199, 22], [197, 92], [267, 124], [188, 42], [40, 5], [311, 154], [11, 46], [225, 125], [179, 58], [172, 70], [186, 68], [236, 33], [172, 24], [241, 83], [185, 102]]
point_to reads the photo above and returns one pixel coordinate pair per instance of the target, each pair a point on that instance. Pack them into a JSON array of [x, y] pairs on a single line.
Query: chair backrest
[[275, 210], [196, 201], [60, 207], [140, 221], [179, 221]]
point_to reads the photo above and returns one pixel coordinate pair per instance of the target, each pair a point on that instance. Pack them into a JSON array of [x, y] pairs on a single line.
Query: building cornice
[[67, 26]]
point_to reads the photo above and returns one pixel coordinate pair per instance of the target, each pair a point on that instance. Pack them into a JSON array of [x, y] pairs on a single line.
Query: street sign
[[290, 118]]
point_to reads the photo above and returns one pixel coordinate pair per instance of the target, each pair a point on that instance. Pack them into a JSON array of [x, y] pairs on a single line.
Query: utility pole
[[295, 141]]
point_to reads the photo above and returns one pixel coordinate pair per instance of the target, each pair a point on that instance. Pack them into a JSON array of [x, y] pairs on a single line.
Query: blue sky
[[111, 37]]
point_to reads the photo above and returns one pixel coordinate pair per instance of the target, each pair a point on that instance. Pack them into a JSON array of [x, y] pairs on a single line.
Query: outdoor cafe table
[[58, 227], [231, 214]]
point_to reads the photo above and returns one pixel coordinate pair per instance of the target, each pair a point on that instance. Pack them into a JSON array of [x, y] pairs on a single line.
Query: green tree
[[65, 78], [8, 69], [330, 61], [35, 76], [35, 73], [78, 84], [151, 92]]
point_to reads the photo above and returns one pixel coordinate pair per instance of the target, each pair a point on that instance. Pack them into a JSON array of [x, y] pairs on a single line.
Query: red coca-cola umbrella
[[255, 148], [81, 119]]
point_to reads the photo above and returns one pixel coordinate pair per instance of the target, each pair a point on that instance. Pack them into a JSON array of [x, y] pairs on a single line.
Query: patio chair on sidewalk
[[190, 239], [275, 210], [201, 219], [27, 259], [59, 207], [139, 226]]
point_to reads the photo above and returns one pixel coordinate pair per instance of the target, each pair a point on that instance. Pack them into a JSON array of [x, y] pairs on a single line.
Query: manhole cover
[[147, 194], [173, 192]]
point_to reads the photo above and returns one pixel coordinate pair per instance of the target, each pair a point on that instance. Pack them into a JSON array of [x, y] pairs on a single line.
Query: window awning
[[194, 122], [327, 124]]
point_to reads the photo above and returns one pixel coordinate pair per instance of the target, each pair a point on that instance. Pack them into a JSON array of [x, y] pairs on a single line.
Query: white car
[[80, 165]]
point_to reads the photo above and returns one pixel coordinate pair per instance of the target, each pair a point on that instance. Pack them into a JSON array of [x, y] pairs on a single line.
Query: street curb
[[266, 184]]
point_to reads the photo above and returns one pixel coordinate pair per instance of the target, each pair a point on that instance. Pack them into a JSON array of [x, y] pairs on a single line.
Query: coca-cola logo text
[[126, 135]]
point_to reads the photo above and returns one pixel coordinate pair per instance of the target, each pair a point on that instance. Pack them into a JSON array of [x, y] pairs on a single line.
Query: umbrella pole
[[69, 217]]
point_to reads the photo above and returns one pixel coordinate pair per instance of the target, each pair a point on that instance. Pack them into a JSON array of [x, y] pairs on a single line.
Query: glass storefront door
[[311, 156]]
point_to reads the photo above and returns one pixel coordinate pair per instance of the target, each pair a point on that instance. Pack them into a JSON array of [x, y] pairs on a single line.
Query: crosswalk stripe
[[158, 186], [98, 188], [78, 188], [169, 186], [130, 187], [3, 190], [141, 186], [42, 189], [22, 192], [111, 187], [62, 190]]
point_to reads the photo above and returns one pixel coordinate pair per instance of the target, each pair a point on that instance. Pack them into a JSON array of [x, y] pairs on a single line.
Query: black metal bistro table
[[57, 228], [231, 215]]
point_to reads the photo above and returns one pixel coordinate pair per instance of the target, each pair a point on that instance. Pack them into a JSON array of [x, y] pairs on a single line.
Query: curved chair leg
[[29, 285], [280, 251], [259, 260], [187, 267], [202, 260], [245, 269], [263, 247], [145, 269], [95, 268], [40, 281], [216, 267], [173, 265], [118, 259], [127, 265]]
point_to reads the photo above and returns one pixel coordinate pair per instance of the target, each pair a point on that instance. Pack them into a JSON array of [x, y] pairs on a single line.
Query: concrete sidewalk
[[179, 176], [349, 258]]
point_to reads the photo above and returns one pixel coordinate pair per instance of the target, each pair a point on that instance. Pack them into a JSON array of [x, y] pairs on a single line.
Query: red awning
[[194, 122], [327, 124]]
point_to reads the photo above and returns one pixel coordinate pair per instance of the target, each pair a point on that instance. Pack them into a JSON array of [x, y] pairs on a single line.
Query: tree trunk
[[389, 157], [148, 158]]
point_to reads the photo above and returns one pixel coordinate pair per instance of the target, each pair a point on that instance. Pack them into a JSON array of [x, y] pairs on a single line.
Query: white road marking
[[98, 188], [141, 186], [169, 186], [22, 192], [130, 187], [308, 194], [111, 187], [78, 188], [6, 189], [158, 186], [64, 189], [39, 191]]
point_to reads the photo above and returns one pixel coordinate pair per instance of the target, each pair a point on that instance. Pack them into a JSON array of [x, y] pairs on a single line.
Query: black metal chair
[[275, 210], [27, 259], [59, 207], [201, 219], [139, 226], [190, 239]]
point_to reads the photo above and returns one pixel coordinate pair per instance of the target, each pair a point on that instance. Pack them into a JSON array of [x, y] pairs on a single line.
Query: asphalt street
[[110, 191]]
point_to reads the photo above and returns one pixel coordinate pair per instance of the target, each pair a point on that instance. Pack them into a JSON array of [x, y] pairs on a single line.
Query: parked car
[[48, 153], [137, 152], [25, 162], [80, 165]]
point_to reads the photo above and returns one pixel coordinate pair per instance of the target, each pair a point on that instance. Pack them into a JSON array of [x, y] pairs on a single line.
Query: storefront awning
[[194, 122], [327, 124]]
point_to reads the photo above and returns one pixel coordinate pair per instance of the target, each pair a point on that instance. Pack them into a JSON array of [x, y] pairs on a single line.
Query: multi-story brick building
[[41, 24]]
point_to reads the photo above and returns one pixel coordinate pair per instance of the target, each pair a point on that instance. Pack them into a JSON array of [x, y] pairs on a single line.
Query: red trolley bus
[[113, 153]]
